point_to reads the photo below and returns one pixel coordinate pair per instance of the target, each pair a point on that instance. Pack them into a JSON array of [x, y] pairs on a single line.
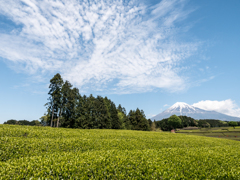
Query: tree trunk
[[59, 117], [57, 121], [52, 116]]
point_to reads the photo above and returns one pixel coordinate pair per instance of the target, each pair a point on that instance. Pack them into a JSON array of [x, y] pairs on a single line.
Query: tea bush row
[[48, 153]]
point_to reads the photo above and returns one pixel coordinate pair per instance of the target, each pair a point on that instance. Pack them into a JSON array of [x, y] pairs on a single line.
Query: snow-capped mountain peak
[[181, 108], [180, 105]]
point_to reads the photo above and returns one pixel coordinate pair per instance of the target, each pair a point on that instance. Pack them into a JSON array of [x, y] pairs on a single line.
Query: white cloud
[[165, 105], [228, 106], [106, 45]]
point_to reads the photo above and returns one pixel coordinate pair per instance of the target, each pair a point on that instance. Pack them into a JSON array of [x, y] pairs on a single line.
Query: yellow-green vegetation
[[50, 153], [217, 132]]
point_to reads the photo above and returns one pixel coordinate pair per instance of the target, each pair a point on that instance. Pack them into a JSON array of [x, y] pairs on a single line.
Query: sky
[[146, 54]]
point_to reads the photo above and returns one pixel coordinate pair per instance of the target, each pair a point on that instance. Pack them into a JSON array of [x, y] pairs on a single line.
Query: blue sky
[[145, 54]]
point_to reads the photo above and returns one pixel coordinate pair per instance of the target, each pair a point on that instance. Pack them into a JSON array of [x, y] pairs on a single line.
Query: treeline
[[23, 122], [185, 121], [212, 123], [67, 108], [216, 123]]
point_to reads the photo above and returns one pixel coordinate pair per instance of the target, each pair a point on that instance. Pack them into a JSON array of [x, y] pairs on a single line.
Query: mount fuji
[[181, 108]]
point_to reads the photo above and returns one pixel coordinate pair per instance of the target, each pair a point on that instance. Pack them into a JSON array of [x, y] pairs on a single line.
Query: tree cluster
[[233, 124], [212, 123], [167, 124], [175, 122], [23, 122], [67, 108], [217, 123]]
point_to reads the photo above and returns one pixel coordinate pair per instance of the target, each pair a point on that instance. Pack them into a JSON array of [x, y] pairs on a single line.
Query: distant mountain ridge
[[181, 108]]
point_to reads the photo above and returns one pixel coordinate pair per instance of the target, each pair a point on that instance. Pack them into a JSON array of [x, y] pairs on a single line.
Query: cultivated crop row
[[42, 152]]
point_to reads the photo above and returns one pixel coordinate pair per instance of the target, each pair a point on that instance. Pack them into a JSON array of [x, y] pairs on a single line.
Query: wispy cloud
[[228, 106], [122, 47]]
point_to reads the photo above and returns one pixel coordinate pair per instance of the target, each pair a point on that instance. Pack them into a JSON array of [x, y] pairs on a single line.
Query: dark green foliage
[[35, 123], [55, 100], [214, 122], [150, 122], [114, 117], [185, 122], [203, 123], [163, 124], [11, 121], [107, 114], [23, 122], [175, 122], [123, 118], [67, 108], [99, 113], [233, 123], [71, 99], [188, 121], [138, 120]]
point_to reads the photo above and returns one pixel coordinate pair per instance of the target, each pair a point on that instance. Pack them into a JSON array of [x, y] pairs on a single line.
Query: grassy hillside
[[27, 152]]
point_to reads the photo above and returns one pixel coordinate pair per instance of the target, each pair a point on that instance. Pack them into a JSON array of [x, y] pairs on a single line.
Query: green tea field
[[218, 132], [50, 153]]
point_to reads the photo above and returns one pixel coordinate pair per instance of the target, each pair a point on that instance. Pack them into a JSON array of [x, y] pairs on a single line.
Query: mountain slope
[[181, 108]]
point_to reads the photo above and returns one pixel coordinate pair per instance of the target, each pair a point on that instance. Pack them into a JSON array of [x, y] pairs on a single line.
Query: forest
[[66, 107]]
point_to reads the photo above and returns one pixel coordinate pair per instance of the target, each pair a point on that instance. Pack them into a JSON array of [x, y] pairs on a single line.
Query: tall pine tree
[[114, 116], [55, 96]]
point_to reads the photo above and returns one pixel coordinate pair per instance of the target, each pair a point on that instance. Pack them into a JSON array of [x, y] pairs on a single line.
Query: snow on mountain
[[181, 108]]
